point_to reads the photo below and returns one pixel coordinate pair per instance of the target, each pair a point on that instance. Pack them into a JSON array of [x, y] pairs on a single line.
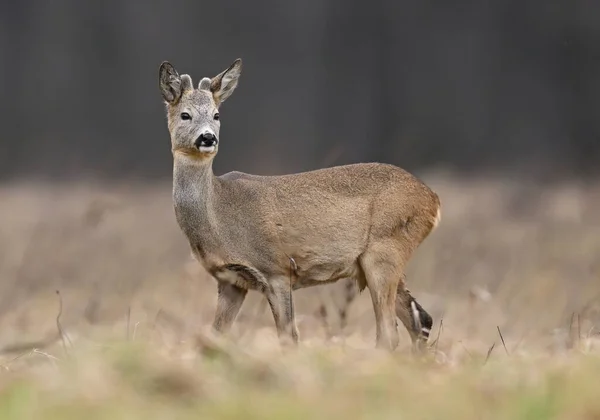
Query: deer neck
[[194, 196]]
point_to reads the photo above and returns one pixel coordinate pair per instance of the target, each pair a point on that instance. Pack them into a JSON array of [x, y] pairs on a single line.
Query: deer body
[[274, 234]]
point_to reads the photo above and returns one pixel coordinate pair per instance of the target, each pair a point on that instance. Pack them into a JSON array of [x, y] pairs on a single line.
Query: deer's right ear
[[169, 83]]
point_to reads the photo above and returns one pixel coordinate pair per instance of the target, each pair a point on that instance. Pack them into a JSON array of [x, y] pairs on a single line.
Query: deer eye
[[216, 117], [185, 116]]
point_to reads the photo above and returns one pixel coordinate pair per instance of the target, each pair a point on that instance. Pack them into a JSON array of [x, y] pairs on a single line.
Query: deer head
[[193, 114]]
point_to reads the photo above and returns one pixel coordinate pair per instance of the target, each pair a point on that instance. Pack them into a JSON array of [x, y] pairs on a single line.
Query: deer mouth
[[207, 149]]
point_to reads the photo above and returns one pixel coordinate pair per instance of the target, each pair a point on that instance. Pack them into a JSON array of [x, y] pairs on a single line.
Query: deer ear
[[223, 84], [169, 83]]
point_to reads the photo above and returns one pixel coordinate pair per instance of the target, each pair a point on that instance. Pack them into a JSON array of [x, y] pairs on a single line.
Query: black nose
[[206, 140]]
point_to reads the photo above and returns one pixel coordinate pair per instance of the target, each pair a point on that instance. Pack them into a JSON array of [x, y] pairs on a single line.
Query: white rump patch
[[438, 217]]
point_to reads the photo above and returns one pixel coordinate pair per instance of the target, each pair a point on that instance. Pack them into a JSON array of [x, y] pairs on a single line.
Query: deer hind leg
[[382, 269], [349, 291], [229, 302], [416, 320], [279, 296]]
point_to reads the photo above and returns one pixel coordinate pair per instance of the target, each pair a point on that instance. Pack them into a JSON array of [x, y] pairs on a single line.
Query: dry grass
[[510, 257]]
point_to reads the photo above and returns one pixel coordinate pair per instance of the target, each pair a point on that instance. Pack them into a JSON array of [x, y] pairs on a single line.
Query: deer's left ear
[[223, 84]]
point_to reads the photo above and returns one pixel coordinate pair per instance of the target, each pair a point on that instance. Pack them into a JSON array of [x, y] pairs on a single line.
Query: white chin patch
[[205, 149]]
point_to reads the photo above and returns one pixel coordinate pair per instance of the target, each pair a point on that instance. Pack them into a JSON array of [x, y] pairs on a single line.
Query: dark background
[[488, 85]]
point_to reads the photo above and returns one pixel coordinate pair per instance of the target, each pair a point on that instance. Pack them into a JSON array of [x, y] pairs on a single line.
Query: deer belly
[[323, 273]]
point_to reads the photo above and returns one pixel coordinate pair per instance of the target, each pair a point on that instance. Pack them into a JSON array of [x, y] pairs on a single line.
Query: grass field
[[126, 335]]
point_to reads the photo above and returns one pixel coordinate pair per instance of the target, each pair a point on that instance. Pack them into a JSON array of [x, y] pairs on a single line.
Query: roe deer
[[275, 234]]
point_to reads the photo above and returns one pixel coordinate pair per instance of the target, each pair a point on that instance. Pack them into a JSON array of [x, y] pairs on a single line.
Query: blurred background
[[494, 103], [469, 85]]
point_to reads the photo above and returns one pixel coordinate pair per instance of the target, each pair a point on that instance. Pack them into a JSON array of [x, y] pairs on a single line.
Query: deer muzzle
[[206, 142]]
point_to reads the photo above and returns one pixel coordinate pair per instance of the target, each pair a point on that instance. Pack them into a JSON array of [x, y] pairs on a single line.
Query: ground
[[104, 313]]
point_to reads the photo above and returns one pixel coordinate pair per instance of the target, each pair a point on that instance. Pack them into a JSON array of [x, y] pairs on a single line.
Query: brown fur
[[360, 221]]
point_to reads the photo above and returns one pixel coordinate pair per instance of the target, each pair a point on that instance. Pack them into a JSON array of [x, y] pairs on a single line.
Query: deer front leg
[[279, 296], [229, 302]]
